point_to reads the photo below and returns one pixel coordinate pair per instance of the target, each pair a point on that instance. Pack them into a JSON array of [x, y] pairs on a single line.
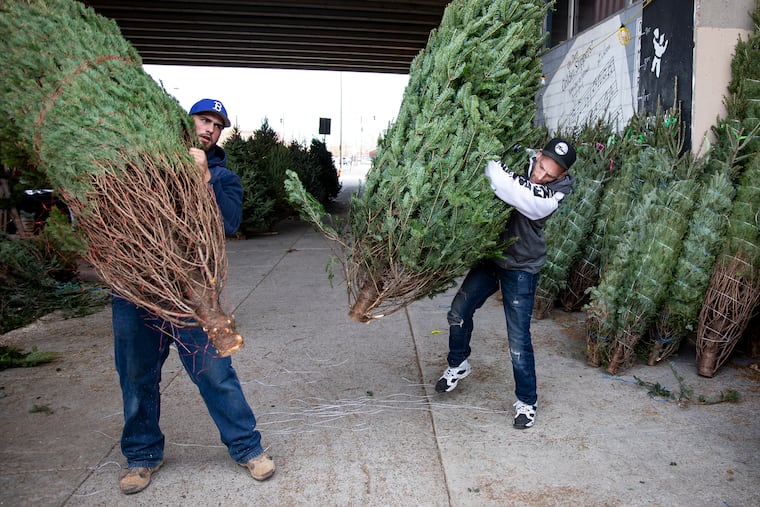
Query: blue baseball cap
[[211, 106]]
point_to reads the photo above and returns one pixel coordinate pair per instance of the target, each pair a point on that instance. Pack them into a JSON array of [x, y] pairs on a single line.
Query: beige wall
[[725, 13], [712, 73], [719, 24]]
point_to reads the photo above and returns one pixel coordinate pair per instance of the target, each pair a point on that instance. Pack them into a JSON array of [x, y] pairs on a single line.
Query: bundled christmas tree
[[77, 106], [678, 318], [680, 313], [427, 212], [655, 251], [602, 310], [642, 254], [568, 230], [621, 190], [733, 293], [632, 287]]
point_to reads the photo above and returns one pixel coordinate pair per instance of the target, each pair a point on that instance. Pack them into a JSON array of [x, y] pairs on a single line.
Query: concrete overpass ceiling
[[337, 35]]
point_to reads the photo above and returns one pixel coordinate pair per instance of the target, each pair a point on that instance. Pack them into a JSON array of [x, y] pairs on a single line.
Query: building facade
[[614, 58]]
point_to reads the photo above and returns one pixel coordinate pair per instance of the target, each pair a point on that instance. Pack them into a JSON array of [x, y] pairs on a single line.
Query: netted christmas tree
[[602, 310], [631, 286], [651, 260], [427, 212], [568, 230], [78, 107], [679, 315], [733, 293], [623, 187]]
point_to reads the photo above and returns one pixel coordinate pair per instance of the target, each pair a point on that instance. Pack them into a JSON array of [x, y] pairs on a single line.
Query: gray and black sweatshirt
[[533, 204]]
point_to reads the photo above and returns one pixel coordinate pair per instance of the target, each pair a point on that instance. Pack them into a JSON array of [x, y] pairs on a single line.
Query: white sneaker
[[525, 415], [452, 376]]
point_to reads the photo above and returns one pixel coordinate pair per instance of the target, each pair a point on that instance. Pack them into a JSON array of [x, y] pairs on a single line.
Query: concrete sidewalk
[[350, 415]]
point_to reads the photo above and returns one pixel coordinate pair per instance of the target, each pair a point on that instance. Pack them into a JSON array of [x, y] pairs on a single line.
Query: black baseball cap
[[561, 152]]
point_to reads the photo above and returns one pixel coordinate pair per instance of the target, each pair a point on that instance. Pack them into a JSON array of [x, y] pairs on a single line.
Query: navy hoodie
[[227, 189]]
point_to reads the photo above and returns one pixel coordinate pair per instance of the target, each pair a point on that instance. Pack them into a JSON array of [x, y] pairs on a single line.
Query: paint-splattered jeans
[[518, 289], [141, 346]]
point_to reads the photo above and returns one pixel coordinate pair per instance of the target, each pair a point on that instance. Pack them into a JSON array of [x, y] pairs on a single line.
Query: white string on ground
[[109, 437], [300, 376], [317, 414]]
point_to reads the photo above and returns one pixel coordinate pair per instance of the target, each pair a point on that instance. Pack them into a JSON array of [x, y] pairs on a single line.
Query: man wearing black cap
[[534, 194], [141, 346]]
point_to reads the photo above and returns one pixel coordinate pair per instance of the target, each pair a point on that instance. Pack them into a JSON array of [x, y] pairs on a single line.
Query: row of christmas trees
[[657, 244], [637, 242], [261, 161]]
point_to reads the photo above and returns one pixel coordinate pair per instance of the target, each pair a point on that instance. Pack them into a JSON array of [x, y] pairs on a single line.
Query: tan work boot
[[136, 479], [261, 467]]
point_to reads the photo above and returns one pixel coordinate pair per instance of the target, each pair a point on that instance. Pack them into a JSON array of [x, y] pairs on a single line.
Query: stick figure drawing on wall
[[660, 45]]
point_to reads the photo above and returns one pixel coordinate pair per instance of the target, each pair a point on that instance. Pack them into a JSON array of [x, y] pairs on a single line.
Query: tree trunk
[[365, 301], [616, 359], [707, 362], [655, 353], [592, 351], [219, 326]]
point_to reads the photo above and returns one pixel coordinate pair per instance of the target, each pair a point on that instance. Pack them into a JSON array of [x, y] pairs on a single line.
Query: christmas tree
[[602, 310], [640, 241], [427, 212], [622, 187], [678, 317], [651, 259], [733, 293], [79, 108]]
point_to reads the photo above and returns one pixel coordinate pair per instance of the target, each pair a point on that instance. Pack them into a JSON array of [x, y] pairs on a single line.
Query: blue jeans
[[518, 289], [141, 345]]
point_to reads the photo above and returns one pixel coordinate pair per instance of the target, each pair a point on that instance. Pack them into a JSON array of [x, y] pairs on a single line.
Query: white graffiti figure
[[660, 45]]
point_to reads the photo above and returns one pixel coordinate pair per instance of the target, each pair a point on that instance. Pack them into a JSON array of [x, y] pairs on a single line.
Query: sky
[[360, 105]]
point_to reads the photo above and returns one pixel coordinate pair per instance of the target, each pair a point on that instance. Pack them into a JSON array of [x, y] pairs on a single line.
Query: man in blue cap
[[210, 119], [141, 344], [534, 193]]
